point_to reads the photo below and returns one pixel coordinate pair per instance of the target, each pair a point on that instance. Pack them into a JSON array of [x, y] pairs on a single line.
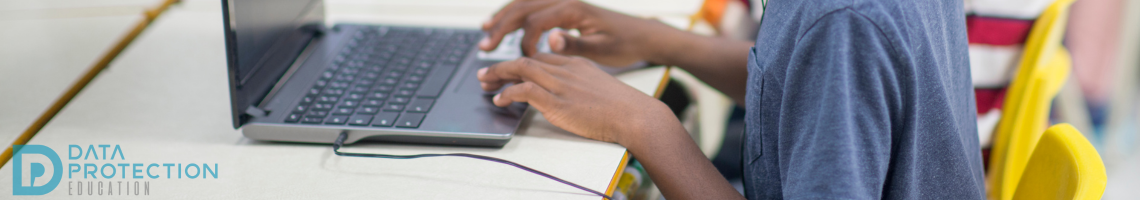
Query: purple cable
[[340, 141]]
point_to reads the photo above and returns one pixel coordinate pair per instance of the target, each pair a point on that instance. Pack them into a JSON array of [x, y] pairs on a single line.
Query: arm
[[577, 96], [676, 164], [616, 39], [720, 62]]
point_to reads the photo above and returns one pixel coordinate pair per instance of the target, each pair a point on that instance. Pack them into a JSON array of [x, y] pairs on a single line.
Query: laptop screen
[[263, 38]]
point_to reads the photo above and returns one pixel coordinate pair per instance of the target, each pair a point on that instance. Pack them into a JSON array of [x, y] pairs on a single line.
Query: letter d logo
[[36, 171]]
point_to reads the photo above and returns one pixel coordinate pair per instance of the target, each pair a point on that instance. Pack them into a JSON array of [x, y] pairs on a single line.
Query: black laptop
[[295, 79]]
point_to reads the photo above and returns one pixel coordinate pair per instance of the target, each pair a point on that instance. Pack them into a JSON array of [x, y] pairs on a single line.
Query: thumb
[[563, 43]]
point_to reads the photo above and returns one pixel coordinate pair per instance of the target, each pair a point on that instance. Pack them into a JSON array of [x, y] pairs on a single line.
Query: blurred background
[[46, 44]]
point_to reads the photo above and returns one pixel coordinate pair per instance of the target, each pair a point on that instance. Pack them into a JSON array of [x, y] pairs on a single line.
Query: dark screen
[[263, 38], [261, 25]]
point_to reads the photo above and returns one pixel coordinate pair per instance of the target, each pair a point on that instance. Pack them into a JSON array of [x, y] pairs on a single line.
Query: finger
[[522, 69], [508, 20], [553, 59], [526, 92], [541, 21], [512, 6], [587, 45], [556, 41], [498, 15]]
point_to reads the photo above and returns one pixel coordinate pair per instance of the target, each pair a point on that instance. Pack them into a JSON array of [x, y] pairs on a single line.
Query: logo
[[99, 170], [34, 170]]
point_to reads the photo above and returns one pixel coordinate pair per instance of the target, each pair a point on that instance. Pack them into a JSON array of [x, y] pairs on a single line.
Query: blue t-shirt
[[861, 99]]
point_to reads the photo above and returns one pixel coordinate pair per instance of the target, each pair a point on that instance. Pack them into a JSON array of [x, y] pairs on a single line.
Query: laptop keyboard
[[385, 77]]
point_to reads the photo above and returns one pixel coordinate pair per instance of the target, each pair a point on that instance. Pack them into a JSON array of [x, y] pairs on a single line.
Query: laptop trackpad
[[469, 85]]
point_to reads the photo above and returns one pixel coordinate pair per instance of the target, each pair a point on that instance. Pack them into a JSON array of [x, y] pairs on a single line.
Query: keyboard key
[[355, 96], [364, 82], [420, 105], [336, 120], [345, 77], [359, 120], [403, 59], [420, 72], [373, 102], [389, 81], [410, 120], [393, 107], [333, 92], [398, 100], [399, 68], [292, 118], [322, 106], [423, 64], [435, 82], [370, 76], [316, 113], [395, 74], [367, 110], [327, 75], [328, 99], [383, 88], [415, 79], [378, 95], [299, 109], [351, 70], [359, 89], [307, 100], [338, 85], [385, 119], [343, 111], [409, 86], [404, 93], [322, 83], [312, 120], [314, 91], [453, 58], [348, 104]]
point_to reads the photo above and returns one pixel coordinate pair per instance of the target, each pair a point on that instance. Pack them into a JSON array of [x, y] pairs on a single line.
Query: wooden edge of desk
[[617, 175], [625, 158], [148, 16]]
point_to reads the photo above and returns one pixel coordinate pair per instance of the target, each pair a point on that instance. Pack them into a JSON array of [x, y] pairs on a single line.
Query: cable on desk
[[340, 142]]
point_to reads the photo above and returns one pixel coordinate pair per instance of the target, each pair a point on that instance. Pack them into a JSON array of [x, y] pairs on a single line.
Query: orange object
[[711, 11]]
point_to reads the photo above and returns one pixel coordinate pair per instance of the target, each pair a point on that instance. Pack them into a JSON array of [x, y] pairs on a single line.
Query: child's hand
[[577, 96]]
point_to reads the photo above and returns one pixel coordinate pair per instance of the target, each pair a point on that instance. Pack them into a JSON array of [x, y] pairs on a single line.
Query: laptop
[[294, 79]]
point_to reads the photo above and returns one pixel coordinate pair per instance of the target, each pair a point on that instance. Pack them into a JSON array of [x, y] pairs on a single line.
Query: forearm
[[720, 62], [675, 163]]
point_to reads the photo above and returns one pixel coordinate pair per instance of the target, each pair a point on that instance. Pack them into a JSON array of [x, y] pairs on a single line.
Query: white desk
[[165, 100], [60, 9], [46, 47]]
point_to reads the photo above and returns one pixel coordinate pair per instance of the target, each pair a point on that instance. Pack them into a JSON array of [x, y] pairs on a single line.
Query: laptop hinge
[[255, 111]]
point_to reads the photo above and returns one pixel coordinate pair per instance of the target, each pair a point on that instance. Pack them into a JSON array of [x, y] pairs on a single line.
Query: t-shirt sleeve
[[836, 140]]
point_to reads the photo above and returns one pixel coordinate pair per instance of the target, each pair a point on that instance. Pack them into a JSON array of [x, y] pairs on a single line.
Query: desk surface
[[46, 49], [61, 9], [165, 100]]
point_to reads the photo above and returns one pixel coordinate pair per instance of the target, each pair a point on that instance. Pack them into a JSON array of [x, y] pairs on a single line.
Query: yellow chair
[[1043, 69], [1064, 165]]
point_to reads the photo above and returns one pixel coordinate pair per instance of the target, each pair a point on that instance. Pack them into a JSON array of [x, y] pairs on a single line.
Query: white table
[[47, 45], [166, 100]]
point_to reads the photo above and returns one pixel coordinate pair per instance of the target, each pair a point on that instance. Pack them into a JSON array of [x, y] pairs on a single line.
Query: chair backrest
[[1063, 166], [1043, 69]]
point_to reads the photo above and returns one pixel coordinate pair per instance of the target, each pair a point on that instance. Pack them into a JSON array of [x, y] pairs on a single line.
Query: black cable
[[340, 141]]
